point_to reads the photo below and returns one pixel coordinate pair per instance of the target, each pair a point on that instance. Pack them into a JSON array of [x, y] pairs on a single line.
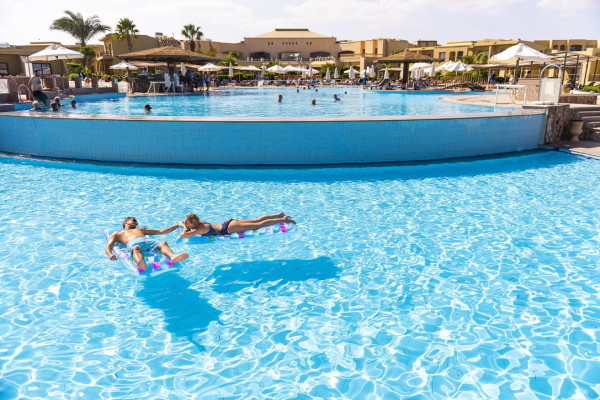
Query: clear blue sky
[[231, 20]]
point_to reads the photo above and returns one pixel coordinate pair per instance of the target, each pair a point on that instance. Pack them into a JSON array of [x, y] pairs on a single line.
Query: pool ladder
[[27, 91]]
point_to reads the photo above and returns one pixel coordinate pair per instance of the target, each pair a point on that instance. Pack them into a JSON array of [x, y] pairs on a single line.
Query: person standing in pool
[[35, 83], [137, 242], [193, 226]]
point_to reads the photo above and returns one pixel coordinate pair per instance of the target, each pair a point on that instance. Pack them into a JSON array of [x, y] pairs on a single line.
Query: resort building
[[298, 46], [302, 47], [13, 60]]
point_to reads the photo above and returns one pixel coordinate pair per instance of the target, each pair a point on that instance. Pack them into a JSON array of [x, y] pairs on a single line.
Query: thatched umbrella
[[170, 54], [406, 58]]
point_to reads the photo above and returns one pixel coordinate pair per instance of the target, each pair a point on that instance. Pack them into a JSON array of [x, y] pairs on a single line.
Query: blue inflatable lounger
[[276, 229], [155, 260]]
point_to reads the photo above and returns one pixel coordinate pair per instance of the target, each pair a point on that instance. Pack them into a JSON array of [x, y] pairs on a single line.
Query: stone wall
[[558, 122], [578, 98]]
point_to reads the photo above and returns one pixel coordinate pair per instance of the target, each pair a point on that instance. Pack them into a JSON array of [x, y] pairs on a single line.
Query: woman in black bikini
[[193, 226]]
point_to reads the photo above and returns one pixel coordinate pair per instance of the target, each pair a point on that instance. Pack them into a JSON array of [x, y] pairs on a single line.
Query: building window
[[443, 56], [562, 46], [575, 47], [260, 54], [43, 67], [290, 56], [3, 68], [459, 54], [319, 54], [376, 50], [555, 47]]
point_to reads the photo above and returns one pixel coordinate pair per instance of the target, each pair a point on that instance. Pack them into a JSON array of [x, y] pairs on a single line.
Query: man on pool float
[[137, 242], [193, 226]]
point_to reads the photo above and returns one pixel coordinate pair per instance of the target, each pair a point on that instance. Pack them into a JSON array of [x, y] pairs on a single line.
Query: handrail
[[19, 91]]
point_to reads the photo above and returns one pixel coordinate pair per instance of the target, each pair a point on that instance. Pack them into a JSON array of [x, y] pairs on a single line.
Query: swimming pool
[[261, 102], [471, 279]]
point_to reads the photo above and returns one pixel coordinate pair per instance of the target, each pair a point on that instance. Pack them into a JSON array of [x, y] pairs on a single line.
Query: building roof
[[166, 53], [406, 57], [281, 33]]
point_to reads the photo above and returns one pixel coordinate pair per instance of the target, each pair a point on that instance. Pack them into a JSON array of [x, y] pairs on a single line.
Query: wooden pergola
[[169, 54], [406, 58]]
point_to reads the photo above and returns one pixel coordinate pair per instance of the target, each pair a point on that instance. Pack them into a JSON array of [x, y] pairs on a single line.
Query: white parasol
[[520, 52], [278, 69], [210, 67], [124, 65], [459, 66], [55, 52], [351, 73], [230, 70], [249, 68], [419, 65], [386, 74], [336, 73], [328, 75], [445, 66]]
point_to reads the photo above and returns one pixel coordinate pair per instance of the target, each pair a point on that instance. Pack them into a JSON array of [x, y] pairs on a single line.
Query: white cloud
[[232, 20], [572, 7]]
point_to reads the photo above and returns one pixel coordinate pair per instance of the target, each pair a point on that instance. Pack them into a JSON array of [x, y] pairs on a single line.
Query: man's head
[[35, 104], [73, 103], [130, 223], [191, 221]]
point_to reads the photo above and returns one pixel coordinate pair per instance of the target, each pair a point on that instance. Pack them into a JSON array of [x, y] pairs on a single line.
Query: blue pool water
[[471, 280], [261, 102]]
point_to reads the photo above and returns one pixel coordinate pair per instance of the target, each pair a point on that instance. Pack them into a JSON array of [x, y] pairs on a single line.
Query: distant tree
[[232, 58], [192, 33], [271, 63], [325, 67], [398, 51], [88, 54], [481, 58], [124, 30], [78, 27], [468, 59], [211, 52]]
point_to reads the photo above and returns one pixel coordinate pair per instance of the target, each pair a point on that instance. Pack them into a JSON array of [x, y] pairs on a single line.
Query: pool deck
[[583, 147]]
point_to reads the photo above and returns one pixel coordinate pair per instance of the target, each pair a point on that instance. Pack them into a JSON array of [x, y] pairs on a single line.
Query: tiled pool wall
[[280, 141]]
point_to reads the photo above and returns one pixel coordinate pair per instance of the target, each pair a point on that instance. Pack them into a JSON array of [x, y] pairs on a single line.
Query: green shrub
[[595, 89], [73, 76]]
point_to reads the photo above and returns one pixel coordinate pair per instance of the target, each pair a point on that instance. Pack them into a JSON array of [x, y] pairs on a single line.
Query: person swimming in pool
[[137, 242], [193, 226]]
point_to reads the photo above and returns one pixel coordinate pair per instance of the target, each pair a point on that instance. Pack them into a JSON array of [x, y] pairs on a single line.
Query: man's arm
[[159, 231], [109, 245]]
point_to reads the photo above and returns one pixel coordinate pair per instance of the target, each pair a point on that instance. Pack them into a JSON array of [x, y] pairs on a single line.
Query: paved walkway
[[582, 147]]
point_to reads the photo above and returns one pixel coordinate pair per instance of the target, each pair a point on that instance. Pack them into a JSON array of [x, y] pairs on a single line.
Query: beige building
[[13, 60], [302, 46]]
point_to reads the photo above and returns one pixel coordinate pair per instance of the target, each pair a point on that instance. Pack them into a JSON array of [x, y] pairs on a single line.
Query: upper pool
[[262, 102]]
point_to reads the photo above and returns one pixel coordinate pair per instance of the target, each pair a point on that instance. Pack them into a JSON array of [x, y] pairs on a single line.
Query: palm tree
[[193, 33], [81, 29], [481, 58], [124, 30]]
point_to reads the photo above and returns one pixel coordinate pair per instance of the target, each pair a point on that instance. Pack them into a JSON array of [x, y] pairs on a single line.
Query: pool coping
[[157, 118]]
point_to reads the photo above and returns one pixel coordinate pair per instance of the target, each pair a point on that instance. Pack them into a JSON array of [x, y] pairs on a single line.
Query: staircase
[[591, 122]]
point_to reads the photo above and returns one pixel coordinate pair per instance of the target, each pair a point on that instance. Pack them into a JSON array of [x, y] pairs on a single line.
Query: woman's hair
[[194, 220], [128, 219]]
